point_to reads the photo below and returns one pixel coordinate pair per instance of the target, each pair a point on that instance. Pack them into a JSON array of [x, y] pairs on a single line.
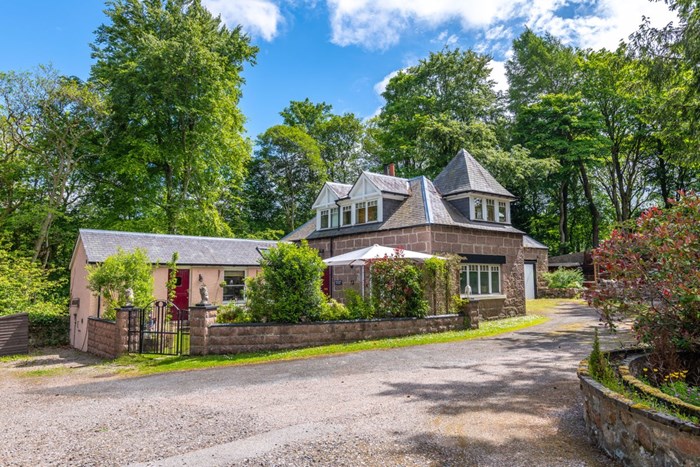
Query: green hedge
[[48, 329]]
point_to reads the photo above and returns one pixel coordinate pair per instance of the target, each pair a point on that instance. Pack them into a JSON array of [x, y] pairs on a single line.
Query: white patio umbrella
[[360, 258]]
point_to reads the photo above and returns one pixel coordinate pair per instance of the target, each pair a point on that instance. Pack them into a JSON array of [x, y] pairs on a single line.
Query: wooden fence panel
[[14, 334]]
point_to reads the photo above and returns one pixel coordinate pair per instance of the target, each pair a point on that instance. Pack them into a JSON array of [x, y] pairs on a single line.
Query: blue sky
[[337, 51]]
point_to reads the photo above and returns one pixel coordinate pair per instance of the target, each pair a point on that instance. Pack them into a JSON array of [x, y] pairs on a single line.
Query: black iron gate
[[160, 328]]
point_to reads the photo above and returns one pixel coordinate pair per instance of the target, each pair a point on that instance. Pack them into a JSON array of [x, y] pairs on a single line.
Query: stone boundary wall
[[633, 435], [239, 338], [102, 337], [559, 293]]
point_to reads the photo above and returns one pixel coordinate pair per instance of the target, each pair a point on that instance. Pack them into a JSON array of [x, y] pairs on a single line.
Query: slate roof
[[529, 242], [424, 206], [340, 189], [464, 174], [193, 251], [389, 184]]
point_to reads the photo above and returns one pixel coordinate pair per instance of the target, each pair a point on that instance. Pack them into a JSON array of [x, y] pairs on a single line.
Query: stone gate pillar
[[201, 317], [121, 338]]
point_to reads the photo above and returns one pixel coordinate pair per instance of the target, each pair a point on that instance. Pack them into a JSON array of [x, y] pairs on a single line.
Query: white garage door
[[529, 281]]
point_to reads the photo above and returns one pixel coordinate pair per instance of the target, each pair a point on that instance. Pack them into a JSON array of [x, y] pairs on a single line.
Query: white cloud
[[498, 74], [260, 18], [594, 23], [381, 86]]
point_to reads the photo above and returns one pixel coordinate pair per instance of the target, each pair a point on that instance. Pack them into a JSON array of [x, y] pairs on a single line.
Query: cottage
[[464, 211], [223, 263]]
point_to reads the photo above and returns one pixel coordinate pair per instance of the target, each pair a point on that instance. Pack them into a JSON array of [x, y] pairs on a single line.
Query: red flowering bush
[[397, 289], [653, 269]]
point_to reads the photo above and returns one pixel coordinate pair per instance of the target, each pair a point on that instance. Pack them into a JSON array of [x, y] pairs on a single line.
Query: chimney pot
[[391, 170]]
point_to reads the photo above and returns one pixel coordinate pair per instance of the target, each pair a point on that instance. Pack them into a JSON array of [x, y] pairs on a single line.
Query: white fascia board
[[361, 183], [325, 198]]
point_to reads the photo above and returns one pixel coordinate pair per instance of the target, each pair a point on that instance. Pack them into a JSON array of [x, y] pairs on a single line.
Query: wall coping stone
[[319, 323]]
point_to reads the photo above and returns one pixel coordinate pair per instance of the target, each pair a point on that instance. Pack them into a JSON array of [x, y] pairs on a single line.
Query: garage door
[[529, 281]]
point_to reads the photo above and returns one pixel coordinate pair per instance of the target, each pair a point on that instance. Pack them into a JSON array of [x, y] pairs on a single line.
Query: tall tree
[[541, 66], [50, 126], [172, 76], [448, 93], [286, 175]]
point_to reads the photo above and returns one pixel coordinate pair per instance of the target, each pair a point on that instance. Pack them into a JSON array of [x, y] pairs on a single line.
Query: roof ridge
[[151, 234]]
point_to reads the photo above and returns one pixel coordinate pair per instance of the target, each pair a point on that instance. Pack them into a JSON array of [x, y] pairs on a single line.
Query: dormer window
[[372, 215], [502, 212], [347, 215], [329, 218], [360, 213], [479, 209], [490, 210]]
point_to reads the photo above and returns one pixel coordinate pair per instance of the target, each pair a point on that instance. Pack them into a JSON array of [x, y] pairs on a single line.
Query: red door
[[326, 285], [182, 293]]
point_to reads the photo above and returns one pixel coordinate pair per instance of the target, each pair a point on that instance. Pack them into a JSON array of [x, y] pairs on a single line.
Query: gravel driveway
[[508, 400]]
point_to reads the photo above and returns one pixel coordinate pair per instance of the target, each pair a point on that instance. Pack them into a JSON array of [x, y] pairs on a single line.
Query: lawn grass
[[151, 364]]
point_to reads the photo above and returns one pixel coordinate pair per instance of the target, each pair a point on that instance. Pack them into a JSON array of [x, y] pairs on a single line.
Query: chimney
[[390, 170]]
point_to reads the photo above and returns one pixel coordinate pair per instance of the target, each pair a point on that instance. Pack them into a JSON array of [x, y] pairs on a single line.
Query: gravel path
[[510, 400]]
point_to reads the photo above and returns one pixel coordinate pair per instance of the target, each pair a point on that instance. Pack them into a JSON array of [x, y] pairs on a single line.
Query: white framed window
[[334, 218], [347, 215], [372, 211], [480, 279], [324, 218], [234, 286], [479, 209], [360, 213], [502, 216], [490, 210]]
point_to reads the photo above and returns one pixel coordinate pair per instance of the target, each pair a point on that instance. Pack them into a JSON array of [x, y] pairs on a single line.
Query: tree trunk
[[595, 215], [563, 216]]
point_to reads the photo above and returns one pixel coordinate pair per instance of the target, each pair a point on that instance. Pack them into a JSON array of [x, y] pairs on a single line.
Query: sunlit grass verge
[[150, 364], [543, 305]]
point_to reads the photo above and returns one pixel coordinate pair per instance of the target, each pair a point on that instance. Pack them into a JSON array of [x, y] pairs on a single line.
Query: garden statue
[[203, 291], [129, 292]]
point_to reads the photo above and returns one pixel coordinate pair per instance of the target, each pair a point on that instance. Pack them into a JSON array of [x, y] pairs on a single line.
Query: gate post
[[121, 341], [201, 317]]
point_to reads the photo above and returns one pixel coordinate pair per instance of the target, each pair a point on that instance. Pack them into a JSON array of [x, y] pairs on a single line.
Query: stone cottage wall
[[542, 257], [411, 238], [479, 242]]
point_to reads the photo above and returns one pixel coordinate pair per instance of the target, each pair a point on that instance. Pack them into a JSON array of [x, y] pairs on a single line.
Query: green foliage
[[288, 290], [119, 272], [26, 287], [397, 288], [358, 306], [435, 108], [171, 285], [333, 310], [49, 325], [171, 73], [598, 365], [285, 176], [564, 278], [232, 313], [653, 277], [441, 279]]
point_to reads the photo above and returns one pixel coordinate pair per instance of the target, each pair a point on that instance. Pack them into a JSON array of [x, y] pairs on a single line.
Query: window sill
[[476, 298]]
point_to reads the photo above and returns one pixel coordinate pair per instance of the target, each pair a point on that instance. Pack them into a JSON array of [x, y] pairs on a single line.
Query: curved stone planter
[[634, 434]]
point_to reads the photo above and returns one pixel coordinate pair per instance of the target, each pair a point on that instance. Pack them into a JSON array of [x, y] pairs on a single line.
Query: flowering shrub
[[288, 290], [397, 289], [654, 275]]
